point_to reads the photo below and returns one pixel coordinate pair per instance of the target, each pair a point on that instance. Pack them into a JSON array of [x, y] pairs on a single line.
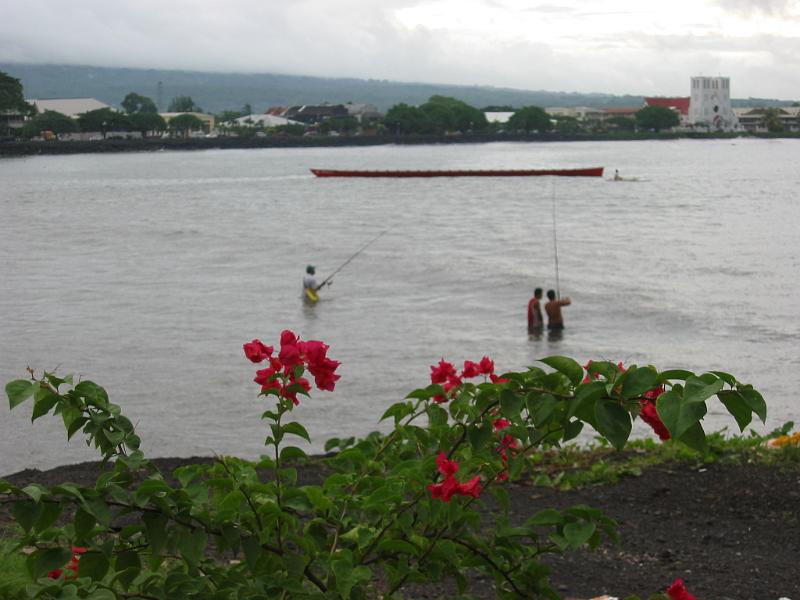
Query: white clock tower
[[710, 104]]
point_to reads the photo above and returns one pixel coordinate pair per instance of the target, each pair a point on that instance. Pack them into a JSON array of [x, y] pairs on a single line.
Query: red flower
[[495, 379], [501, 424], [72, 565], [471, 369], [650, 416], [442, 372], [445, 466], [677, 591], [446, 489], [654, 393], [256, 352], [486, 365], [288, 338]]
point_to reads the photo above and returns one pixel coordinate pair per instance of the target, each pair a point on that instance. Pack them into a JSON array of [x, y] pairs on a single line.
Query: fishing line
[[356, 253], [555, 237]]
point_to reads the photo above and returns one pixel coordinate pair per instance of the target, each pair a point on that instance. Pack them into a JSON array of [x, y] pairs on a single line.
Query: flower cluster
[[677, 591], [445, 490], [70, 570], [508, 442], [649, 414], [282, 375], [449, 378]]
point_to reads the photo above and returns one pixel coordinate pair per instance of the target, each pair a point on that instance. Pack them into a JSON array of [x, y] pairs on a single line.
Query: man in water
[[309, 281], [555, 322], [535, 319]]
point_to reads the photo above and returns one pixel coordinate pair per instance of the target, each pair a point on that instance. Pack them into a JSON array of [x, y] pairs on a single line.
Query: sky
[[612, 46]]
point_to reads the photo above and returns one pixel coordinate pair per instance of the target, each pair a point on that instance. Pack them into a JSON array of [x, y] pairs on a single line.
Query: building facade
[[711, 104]]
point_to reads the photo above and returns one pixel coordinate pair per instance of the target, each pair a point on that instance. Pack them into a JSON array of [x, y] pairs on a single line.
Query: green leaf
[[479, 436], [511, 404], [697, 390], [192, 545], [572, 430], [292, 453], [680, 374], [43, 401], [94, 565], [427, 393], [737, 406], [677, 414], [582, 405], [49, 515], [437, 416], [398, 547], [34, 491], [637, 381], [18, 391], [84, 523], [42, 561], [567, 366], [26, 513], [541, 408], [398, 410], [93, 393], [548, 516], [577, 534], [155, 527], [613, 422], [297, 429], [695, 437], [756, 402]]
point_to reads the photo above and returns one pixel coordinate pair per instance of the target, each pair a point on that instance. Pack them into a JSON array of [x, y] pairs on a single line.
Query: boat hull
[[587, 172]]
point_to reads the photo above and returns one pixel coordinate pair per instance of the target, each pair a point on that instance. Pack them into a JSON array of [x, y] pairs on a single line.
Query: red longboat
[[587, 172]]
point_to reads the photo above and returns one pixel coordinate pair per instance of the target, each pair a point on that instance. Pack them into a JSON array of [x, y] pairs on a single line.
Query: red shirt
[[535, 320]]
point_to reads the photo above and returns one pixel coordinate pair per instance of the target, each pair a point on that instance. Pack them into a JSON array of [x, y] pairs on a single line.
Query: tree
[[146, 122], [183, 104], [772, 120], [450, 114], [404, 119], [103, 120], [656, 118], [49, 120], [183, 124], [530, 118], [620, 123], [11, 96], [134, 103], [568, 125], [345, 125]]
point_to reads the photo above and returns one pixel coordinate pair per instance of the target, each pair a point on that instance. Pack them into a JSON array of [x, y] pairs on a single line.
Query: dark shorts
[[555, 326]]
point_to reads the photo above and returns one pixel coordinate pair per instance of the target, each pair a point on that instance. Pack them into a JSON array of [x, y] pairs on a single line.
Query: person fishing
[[555, 320], [535, 319], [310, 287]]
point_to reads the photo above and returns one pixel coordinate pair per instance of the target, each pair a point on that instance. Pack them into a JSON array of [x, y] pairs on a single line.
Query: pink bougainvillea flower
[[501, 423], [678, 591], [471, 488], [442, 372], [70, 570], [289, 337], [649, 415], [486, 365], [446, 466], [314, 351], [654, 393], [471, 369], [445, 490], [496, 379], [256, 352]]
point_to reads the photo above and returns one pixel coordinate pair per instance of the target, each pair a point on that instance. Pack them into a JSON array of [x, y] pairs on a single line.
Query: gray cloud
[[361, 38]]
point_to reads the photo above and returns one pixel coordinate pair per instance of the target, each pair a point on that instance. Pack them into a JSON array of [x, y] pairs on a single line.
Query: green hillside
[[216, 92]]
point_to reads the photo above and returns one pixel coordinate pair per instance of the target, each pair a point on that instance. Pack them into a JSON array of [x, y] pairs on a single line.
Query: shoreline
[[115, 145]]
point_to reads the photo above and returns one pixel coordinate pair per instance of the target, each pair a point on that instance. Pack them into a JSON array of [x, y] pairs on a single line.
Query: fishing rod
[[345, 263], [555, 240]]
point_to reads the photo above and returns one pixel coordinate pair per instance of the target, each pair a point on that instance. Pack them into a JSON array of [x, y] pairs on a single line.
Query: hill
[[216, 92]]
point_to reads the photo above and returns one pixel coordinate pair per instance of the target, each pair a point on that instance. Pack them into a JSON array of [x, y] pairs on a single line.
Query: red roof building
[[679, 104]]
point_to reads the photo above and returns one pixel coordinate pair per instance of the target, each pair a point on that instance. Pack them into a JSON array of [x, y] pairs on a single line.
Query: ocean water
[[147, 272]]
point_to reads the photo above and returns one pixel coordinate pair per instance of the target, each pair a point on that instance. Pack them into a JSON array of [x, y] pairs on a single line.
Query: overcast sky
[[616, 46]]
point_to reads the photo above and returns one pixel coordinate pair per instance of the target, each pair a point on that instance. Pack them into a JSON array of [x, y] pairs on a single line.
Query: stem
[[488, 559]]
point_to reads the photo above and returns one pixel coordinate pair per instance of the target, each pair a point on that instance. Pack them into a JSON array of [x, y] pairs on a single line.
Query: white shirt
[[309, 281]]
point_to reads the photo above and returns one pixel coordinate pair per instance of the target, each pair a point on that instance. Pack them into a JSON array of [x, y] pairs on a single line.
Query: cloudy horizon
[[609, 46]]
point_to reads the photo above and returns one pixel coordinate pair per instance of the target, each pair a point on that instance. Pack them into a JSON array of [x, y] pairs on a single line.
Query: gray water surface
[[147, 272]]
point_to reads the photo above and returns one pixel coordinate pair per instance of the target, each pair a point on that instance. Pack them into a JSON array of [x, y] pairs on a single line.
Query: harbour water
[[147, 272]]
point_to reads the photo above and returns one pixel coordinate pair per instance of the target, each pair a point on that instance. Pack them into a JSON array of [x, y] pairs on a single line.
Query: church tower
[[710, 104]]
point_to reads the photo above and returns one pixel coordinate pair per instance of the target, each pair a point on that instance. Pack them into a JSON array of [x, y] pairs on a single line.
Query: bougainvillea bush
[[424, 502]]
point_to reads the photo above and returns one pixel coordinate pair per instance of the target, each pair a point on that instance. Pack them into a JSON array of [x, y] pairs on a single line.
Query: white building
[[72, 107], [265, 120], [710, 104]]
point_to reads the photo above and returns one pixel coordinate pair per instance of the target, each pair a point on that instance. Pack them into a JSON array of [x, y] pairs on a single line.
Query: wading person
[[310, 284], [555, 320], [535, 319]]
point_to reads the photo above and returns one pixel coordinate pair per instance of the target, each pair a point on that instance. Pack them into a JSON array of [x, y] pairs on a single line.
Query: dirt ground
[[732, 532]]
